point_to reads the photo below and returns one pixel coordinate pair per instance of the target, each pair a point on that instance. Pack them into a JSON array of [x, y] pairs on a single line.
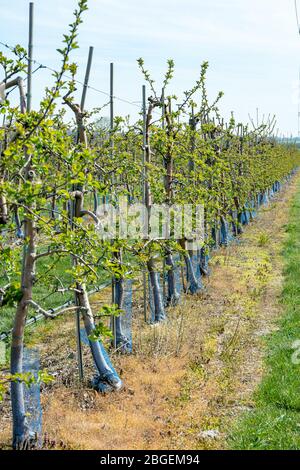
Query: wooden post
[[78, 312], [163, 125], [87, 77], [144, 110], [111, 127], [30, 51], [111, 94]]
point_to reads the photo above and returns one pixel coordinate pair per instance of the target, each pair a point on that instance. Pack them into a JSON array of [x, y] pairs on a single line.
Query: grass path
[[189, 379], [275, 422]]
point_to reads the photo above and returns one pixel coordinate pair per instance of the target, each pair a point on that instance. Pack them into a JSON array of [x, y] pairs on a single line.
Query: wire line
[[97, 90]]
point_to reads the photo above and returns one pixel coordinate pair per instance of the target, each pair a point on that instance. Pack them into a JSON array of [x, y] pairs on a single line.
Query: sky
[[252, 46]]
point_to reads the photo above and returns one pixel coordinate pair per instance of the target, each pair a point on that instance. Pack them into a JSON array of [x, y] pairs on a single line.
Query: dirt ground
[[189, 378]]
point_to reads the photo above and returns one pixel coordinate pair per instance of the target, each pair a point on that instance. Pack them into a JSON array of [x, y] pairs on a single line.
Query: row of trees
[[53, 175]]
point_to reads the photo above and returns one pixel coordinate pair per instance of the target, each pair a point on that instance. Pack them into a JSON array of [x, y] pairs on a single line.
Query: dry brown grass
[[193, 373]]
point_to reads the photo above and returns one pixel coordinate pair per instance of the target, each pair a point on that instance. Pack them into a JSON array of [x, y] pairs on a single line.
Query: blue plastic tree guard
[[177, 270], [101, 385], [215, 237], [151, 297], [194, 278], [224, 233], [196, 260], [245, 217], [126, 317], [230, 233], [204, 260], [177, 274], [263, 198], [233, 224], [253, 211], [31, 363]]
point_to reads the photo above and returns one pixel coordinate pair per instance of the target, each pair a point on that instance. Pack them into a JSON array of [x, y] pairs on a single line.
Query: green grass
[[42, 293], [275, 421]]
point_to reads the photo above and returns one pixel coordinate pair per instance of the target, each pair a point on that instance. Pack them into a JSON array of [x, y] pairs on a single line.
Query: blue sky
[[252, 46]]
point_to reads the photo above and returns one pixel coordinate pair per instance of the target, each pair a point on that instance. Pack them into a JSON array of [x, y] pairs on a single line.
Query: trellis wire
[[56, 311], [90, 87]]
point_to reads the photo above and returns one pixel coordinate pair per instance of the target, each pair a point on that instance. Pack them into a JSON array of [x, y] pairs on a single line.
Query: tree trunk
[[3, 211], [194, 285], [204, 268], [224, 232], [122, 341], [21, 434], [204, 256], [173, 294], [239, 224], [107, 377], [19, 231], [95, 197], [159, 311]]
